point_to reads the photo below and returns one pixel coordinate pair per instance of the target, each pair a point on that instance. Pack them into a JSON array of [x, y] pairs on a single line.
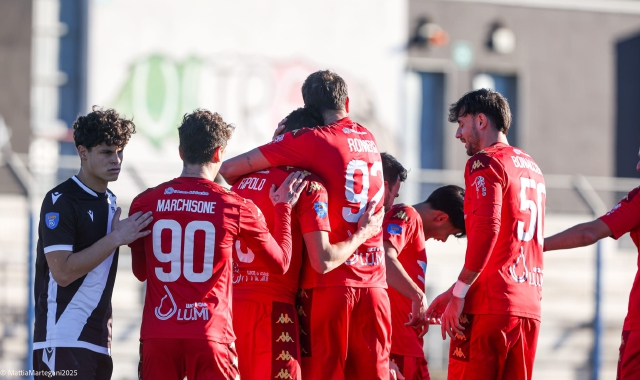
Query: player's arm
[[234, 168], [399, 279], [324, 256], [66, 266], [578, 236]]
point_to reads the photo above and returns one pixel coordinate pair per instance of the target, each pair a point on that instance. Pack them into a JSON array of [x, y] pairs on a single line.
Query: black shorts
[[70, 363]]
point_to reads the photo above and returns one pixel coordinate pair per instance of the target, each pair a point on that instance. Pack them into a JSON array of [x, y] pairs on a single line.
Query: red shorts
[[411, 367], [629, 360], [201, 359], [345, 333], [494, 347], [266, 339]]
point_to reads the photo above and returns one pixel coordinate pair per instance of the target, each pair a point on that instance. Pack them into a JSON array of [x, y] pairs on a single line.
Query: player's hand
[[290, 190], [417, 317], [130, 229], [451, 318], [394, 372], [280, 128], [437, 307], [369, 223]]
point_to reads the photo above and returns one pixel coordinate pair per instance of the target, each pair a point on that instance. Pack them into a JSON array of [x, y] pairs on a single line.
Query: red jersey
[[402, 228], [504, 215], [187, 259], [345, 156], [251, 278], [625, 217]]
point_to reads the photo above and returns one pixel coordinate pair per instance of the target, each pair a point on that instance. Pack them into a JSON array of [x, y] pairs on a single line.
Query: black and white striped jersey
[[73, 217]]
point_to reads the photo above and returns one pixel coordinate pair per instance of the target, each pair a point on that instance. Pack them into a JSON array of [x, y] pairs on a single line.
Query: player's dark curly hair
[[450, 200], [325, 91], [201, 133], [102, 126], [488, 102], [392, 169], [302, 117]]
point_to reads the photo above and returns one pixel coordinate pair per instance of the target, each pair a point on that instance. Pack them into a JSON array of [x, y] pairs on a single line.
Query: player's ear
[[441, 216], [217, 154], [482, 121], [82, 152], [346, 105]]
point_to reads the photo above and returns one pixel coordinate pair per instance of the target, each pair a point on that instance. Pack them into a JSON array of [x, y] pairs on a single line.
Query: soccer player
[[345, 307], [623, 218], [492, 313], [77, 255], [265, 319], [187, 259], [406, 228]]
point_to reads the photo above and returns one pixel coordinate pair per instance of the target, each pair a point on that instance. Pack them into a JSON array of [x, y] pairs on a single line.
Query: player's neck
[[333, 116], [494, 137], [425, 211], [206, 171], [92, 181]]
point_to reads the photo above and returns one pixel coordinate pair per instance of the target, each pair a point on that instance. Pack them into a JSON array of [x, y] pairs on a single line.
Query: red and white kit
[[625, 217], [265, 319], [187, 262], [350, 339], [504, 215], [403, 229]]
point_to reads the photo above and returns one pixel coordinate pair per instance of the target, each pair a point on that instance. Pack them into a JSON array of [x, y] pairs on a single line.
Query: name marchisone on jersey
[[186, 205]]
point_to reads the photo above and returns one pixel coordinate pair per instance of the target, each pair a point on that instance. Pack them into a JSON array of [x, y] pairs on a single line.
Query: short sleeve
[[395, 228], [295, 148], [57, 223], [625, 216], [312, 208]]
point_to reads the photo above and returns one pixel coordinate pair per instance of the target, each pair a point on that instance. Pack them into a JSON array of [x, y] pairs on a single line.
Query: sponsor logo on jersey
[[373, 257], [401, 215], [284, 318], [90, 214], [358, 145], [163, 316], [394, 229], [55, 196], [463, 318], [458, 353], [614, 209], [52, 219], [278, 138], [314, 186], [283, 374], [476, 165], [244, 256], [321, 209], [349, 130], [49, 358], [285, 338], [284, 355], [171, 190], [460, 336], [480, 186], [301, 312]]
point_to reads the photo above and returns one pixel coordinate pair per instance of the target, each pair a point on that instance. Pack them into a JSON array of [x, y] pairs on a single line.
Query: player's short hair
[[450, 200], [392, 169], [201, 133], [302, 117], [102, 126], [325, 91], [485, 101]]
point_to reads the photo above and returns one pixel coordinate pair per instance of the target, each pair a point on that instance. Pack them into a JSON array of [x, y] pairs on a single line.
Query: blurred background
[[570, 69]]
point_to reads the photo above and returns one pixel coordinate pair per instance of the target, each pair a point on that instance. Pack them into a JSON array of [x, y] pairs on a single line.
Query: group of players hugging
[[325, 274]]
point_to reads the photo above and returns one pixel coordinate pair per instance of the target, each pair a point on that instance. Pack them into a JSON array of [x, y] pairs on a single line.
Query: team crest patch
[[52, 219], [394, 229], [321, 209]]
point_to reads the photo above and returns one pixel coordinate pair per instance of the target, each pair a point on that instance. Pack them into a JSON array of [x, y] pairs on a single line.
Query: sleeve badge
[[52, 219], [321, 209]]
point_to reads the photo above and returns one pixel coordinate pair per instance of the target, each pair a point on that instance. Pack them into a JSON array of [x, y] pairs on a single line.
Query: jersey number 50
[[177, 247], [535, 207]]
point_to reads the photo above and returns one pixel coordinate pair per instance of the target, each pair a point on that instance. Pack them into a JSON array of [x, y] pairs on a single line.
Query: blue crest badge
[[321, 209], [394, 229], [51, 220]]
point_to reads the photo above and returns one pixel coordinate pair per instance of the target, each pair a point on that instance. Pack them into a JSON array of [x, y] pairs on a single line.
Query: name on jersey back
[[188, 205], [358, 145]]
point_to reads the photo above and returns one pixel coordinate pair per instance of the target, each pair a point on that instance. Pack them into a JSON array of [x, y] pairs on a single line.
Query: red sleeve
[[138, 255], [395, 229], [625, 216], [312, 208], [484, 206], [295, 148], [276, 249]]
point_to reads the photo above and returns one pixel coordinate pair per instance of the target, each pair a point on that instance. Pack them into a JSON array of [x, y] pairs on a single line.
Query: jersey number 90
[[178, 247]]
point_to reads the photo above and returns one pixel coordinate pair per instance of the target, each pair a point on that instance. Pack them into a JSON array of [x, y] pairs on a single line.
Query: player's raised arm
[[251, 161], [324, 256], [579, 235]]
